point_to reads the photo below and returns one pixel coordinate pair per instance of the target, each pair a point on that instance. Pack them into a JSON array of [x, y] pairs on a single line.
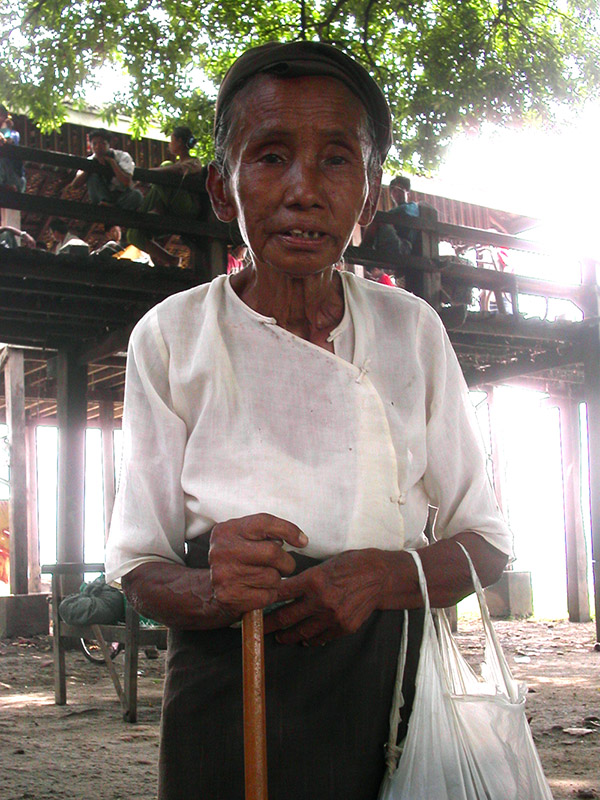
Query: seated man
[[12, 172], [112, 241], [399, 189], [65, 241], [110, 185], [394, 240]]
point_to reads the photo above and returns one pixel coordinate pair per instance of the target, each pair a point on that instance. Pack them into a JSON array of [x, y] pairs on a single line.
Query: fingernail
[[303, 538]]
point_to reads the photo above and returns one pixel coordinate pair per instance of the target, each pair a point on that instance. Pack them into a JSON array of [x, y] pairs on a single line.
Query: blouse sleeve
[[148, 522], [456, 478]]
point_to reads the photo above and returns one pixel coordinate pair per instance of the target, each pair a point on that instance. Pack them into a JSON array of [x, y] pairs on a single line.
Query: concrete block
[[24, 615], [511, 596]]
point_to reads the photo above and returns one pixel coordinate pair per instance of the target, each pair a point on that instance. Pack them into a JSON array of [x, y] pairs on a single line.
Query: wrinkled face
[[297, 173], [99, 146]]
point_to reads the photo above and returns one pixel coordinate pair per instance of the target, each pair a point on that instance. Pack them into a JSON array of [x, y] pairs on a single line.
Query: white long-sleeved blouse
[[228, 414]]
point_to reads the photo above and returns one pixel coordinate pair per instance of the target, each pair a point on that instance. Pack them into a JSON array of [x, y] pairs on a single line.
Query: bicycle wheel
[[93, 652]]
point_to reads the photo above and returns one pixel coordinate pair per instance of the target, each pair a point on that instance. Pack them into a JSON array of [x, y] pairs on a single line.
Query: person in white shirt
[[285, 430], [112, 184]]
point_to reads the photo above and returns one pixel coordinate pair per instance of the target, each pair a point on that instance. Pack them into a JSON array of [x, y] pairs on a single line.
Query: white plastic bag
[[468, 737]]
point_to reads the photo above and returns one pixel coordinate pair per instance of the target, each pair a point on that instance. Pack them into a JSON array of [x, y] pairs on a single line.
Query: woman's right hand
[[247, 560]]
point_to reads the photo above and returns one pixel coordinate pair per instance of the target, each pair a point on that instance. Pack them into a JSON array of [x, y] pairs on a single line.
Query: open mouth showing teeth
[[298, 234]]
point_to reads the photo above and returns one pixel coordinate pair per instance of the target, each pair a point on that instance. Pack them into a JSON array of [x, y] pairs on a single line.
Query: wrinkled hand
[[247, 561], [331, 600]]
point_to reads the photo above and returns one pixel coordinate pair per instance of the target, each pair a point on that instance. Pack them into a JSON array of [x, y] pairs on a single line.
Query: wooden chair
[[131, 634]]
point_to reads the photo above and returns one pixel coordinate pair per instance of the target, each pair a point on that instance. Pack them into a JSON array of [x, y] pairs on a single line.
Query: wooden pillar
[[592, 399], [10, 217], [14, 378], [427, 285], [577, 567], [33, 548], [497, 451], [108, 461], [71, 385]]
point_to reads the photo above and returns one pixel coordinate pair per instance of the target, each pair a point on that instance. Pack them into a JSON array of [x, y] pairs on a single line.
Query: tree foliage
[[443, 64]]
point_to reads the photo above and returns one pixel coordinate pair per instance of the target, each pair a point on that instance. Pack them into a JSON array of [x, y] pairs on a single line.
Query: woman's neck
[[309, 307]]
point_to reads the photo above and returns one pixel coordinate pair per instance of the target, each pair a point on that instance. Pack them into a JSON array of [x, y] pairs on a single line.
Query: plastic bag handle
[[392, 751], [490, 633]]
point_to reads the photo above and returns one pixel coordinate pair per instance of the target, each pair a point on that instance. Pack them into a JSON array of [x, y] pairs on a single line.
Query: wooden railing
[[424, 272]]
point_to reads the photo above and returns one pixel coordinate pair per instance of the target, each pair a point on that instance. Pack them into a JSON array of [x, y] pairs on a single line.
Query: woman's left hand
[[331, 600]]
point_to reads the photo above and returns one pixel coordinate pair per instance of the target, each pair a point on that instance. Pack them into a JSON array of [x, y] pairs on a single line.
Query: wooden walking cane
[[255, 726]]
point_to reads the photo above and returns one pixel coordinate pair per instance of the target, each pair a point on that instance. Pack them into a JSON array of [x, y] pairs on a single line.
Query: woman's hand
[[332, 599], [247, 561]]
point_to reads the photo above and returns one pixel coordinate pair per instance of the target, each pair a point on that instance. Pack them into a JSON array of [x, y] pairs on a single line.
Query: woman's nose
[[304, 184]]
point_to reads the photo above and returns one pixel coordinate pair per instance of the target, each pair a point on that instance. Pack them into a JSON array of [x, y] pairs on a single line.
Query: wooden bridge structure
[[65, 321]]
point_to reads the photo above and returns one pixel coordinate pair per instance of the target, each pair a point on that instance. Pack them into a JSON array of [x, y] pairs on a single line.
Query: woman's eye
[[336, 161], [271, 158]]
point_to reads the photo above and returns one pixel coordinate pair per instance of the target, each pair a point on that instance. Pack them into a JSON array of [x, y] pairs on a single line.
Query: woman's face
[[297, 181]]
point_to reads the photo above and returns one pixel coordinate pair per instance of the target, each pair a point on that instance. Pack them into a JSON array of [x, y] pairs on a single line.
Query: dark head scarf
[[298, 59]]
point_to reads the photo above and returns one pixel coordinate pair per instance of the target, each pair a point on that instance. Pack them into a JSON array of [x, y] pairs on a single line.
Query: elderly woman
[[285, 430]]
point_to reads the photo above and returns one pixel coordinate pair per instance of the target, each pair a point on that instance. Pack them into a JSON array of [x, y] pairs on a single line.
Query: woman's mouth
[[297, 233]]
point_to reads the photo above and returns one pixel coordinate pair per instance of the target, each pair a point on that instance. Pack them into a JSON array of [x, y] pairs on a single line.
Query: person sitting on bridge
[[65, 241], [111, 184], [170, 200], [392, 241], [112, 241], [12, 172]]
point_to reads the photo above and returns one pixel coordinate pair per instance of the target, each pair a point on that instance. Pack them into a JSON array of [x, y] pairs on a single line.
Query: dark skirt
[[327, 710]]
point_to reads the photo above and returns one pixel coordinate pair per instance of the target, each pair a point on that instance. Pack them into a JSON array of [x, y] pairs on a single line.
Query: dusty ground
[[84, 750]]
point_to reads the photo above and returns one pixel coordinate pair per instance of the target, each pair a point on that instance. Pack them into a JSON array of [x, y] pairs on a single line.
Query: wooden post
[[427, 285], [592, 398], [255, 731], [71, 409], [577, 589], [14, 377], [35, 578], [108, 461], [10, 217], [498, 461]]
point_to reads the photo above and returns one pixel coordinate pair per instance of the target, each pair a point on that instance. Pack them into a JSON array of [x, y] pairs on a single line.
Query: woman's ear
[[218, 190], [370, 206]]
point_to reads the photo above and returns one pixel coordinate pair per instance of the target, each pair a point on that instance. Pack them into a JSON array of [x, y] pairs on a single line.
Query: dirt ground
[[84, 750]]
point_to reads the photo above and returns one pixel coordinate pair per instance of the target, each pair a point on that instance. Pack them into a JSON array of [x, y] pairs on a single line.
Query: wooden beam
[[142, 280], [578, 602], [71, 381], [523, 366], [115, 342], [592, 396], [67, 161], [33, 540], [506, 325], [56, 207], [108, 461], [14, 376]]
